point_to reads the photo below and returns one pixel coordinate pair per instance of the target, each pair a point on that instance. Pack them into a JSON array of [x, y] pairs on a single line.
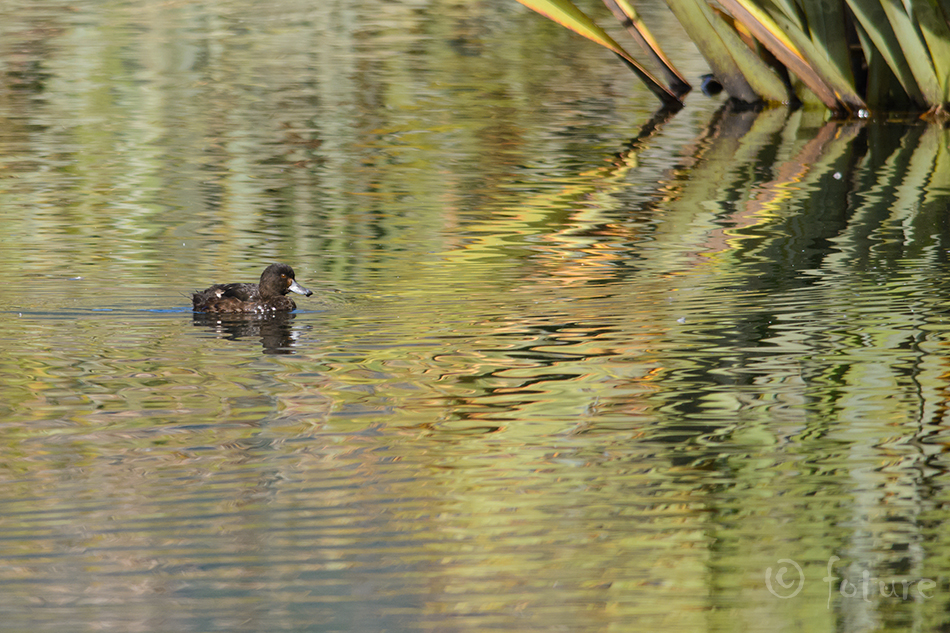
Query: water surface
[[568, 367]]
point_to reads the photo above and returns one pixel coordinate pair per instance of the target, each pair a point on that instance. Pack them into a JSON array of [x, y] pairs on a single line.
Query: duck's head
[[278, 279]]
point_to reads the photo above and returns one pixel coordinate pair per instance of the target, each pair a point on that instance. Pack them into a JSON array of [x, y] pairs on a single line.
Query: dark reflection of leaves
[[784, 244], [275, 331]]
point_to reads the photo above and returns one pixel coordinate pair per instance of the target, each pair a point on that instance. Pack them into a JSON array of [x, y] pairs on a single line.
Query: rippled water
[[567, 367]]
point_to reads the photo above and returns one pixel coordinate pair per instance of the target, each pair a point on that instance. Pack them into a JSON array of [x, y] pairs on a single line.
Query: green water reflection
[[569, 367]]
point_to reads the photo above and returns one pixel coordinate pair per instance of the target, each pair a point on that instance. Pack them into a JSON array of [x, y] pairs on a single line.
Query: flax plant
[[852, 56]]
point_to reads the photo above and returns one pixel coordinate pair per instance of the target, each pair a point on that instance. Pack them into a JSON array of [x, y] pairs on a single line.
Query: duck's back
[[227, 298], [238, 298], [244, 292]]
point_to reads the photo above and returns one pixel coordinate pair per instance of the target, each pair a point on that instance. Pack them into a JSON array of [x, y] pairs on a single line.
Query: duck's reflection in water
[[274, 329]]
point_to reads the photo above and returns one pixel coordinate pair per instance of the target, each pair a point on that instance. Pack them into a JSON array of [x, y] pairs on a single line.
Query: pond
[[570, 365]]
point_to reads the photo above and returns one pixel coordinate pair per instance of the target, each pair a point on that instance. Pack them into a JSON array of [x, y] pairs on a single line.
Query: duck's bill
[[300, 290]]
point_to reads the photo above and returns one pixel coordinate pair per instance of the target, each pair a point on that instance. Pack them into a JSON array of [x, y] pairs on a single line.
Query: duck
[[270, 295]]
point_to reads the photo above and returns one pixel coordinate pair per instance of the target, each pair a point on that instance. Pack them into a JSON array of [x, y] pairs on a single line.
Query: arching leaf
[[566, 14]]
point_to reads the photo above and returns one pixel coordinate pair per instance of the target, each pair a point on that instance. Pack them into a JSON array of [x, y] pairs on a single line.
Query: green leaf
[[826, 22], [873, 20], [791, 46], [566, 14], [883, 90], [933, 26], [915, 51], [627, 15], [742, 73]]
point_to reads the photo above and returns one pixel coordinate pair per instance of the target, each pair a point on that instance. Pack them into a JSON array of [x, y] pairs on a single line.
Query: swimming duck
[[267, 296]]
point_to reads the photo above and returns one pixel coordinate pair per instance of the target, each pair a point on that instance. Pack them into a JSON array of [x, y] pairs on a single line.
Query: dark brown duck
[[270, 295]]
